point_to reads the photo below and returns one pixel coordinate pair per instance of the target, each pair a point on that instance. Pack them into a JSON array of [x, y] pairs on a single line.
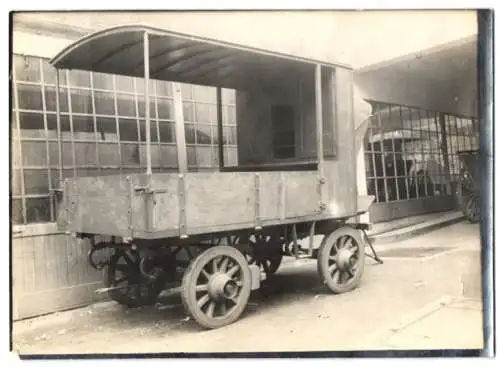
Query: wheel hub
[[343, 259], [221, 286]]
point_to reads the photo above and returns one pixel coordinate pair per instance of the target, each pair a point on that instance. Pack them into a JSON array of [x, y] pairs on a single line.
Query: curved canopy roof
[[178, 57]]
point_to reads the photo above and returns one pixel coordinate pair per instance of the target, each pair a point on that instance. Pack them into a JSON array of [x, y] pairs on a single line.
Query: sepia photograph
[[190, 183]]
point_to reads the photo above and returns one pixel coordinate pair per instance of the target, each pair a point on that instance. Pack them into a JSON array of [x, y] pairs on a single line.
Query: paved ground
[[409, 302]]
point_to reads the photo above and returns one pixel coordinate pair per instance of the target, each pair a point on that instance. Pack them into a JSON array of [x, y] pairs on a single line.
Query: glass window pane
[[165, 109], [49, 74], [163, 88], [81, 101], [27, 68], [139, 84], [124, 83], [83, 127], [142, 108], [102, 81], [190, 135], [85, 154], [229, 115], [36, 182], [32, 125], [29, 97], [167, 132], [228, 96], [202, 112], [54, 154], [106, 129], [17, 211], [128, 130], [104, 103], [34, 153], [126, 105], [215, 135], [188, 111], [37, 210], [205, 94], [50, 99], [79, 78], [153, 131], [130, 154], [187, 91], [203, 134], [108, 154]]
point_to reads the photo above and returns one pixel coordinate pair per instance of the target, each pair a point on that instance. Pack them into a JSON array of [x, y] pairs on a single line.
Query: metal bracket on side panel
[[129, 210], [257, 202], [321, 186], [182, 207]]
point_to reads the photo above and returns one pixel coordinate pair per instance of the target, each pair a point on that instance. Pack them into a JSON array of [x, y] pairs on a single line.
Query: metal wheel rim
[[213, 302]]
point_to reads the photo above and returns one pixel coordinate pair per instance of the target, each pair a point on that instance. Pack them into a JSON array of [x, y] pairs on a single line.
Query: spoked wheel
[[341, 260], [216, 286], [265, 251], [471, 208], [133, 290]]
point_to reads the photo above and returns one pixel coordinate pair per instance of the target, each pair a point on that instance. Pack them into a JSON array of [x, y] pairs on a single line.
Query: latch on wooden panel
[[149, 194], [148, 190]]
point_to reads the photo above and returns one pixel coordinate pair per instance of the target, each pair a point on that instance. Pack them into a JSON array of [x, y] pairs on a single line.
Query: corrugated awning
[[178, 57]]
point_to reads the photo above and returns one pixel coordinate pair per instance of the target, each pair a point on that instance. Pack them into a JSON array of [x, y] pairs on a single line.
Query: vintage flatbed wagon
[[218, 233]]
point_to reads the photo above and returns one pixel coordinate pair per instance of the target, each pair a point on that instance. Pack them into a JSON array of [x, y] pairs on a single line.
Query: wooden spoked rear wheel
[[341, 260], [123, 273], [266, 252], [216, 287]]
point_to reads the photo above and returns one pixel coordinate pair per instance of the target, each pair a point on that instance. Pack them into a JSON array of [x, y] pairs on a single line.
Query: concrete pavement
[[296, 313]]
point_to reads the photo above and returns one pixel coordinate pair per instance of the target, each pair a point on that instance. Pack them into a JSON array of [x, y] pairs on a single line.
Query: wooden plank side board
[[219, 198], [101, 203]]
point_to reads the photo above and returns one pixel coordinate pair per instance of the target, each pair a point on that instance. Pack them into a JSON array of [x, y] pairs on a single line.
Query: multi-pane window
[[103, 130], [200, 116], [412, 153]]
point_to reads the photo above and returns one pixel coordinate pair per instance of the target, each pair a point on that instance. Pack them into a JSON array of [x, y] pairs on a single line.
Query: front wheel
[[216, 286], [341, 260]]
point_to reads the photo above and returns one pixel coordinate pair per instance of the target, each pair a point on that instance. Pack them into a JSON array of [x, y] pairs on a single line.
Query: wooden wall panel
[[50, 273]]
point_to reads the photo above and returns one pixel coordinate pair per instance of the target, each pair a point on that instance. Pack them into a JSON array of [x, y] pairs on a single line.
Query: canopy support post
[[319, 132], [146, 103], [220, 132], [59, 137]]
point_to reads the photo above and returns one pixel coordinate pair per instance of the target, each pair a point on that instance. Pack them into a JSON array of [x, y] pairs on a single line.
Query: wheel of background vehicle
[[341, 259], [266, 252], [123, 271], [216, 286], [471, 208]]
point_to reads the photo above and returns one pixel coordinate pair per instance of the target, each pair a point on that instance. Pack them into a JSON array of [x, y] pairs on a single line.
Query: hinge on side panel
[[182, 207], [257, 202]]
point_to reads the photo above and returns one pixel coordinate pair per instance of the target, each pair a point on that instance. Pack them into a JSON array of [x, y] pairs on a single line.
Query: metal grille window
[[102, 128], [412, 153]]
